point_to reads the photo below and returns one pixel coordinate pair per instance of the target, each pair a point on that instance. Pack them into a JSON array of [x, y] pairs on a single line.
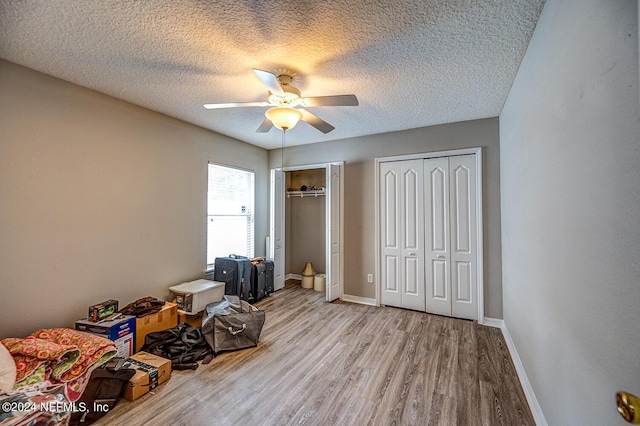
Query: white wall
[[570, 194], [100, 199]]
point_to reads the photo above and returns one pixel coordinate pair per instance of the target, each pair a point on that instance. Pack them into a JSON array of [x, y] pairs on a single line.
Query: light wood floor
[[339, 363]]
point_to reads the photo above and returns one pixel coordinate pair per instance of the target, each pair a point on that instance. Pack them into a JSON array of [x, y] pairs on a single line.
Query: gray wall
[[359, 198], [305, 223], [100, 199], [306, 234], [570, 177]]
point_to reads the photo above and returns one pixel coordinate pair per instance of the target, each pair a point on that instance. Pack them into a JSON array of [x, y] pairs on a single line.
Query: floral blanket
[[59, 355]]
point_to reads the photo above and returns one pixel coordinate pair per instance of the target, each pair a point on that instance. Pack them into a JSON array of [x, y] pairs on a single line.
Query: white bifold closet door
[[402, 233], [451, 237], [428, 235]]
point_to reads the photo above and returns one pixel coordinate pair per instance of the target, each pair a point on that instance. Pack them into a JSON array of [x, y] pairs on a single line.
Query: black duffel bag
[[184, 345]]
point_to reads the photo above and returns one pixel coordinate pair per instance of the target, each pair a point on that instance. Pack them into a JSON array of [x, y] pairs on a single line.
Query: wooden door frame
[[480, 223]]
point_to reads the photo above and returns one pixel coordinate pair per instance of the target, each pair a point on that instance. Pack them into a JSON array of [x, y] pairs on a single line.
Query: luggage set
[[251, 280]]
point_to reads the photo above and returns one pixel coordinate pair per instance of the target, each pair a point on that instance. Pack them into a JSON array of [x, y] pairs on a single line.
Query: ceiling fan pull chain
[[282, 150]]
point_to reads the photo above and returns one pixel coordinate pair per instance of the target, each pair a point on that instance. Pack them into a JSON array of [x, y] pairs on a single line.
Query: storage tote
[[232, 324]]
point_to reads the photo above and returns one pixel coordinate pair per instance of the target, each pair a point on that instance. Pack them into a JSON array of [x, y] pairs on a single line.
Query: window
[[230, 202]]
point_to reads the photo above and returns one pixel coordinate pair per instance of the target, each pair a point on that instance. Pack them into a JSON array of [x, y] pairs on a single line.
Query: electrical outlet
[[369, 278]]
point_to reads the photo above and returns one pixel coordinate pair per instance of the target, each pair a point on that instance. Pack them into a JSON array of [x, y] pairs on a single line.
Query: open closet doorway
[[306, 223]]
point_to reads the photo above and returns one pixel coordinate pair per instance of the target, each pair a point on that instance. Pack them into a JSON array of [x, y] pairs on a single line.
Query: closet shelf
[[312, 193]]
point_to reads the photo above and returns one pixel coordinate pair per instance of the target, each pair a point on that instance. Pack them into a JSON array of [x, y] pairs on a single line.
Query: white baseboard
[[492, 322], [358, 299], [345, 297], [534, 406]]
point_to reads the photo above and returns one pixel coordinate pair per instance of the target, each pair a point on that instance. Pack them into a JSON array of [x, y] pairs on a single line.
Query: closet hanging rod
[[301, 194]]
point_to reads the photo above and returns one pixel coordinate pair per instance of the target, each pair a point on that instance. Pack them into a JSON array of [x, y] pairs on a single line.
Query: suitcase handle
[[237, 256], [233, 333]]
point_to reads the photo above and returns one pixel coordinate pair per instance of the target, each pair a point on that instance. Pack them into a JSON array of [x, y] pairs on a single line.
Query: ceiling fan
[[285, 102]]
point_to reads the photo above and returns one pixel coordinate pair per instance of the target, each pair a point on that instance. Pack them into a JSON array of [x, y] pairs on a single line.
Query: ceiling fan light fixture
[[284, 118]]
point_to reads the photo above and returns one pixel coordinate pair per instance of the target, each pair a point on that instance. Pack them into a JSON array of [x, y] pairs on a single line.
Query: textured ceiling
[[411, 63]]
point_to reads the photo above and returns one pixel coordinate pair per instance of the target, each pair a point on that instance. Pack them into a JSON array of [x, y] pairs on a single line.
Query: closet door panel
[[437, 202], [412, 223], [411, 212], [463, 236], [438, 294], [332, 218], [390, 273], [439, 282], [411, 277], [389, 187], [460, 209], [462, 284], [277, 228]]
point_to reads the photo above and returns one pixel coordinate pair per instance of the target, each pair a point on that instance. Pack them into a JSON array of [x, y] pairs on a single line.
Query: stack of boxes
[[128, 332], [105, 321]]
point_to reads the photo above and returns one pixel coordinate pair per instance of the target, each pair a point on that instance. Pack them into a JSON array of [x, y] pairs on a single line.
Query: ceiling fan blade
[[235, 104], [270, 80], [265, 126], [338, 100], [316, 122]]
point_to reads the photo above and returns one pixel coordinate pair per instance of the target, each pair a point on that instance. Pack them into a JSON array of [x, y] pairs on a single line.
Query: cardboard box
[[166, 318], [152, 371], [124, 346], [194, 320], [102, 310], [112, 330]]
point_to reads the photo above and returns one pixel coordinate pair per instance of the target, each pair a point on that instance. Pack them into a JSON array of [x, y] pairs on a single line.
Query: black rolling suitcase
[[269, 275], [235, 272], [258, 280]]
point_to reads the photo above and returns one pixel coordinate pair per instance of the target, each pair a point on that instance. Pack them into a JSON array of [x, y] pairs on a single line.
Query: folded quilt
[[33, 356], [59, 355], [92, 348]]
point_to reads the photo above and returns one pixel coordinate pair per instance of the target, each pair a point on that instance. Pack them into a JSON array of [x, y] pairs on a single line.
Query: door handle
[[628, 407], [441, 256], [411, 254]]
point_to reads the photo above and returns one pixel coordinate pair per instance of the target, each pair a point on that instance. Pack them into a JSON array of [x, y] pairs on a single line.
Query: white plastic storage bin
[[194, 296]]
